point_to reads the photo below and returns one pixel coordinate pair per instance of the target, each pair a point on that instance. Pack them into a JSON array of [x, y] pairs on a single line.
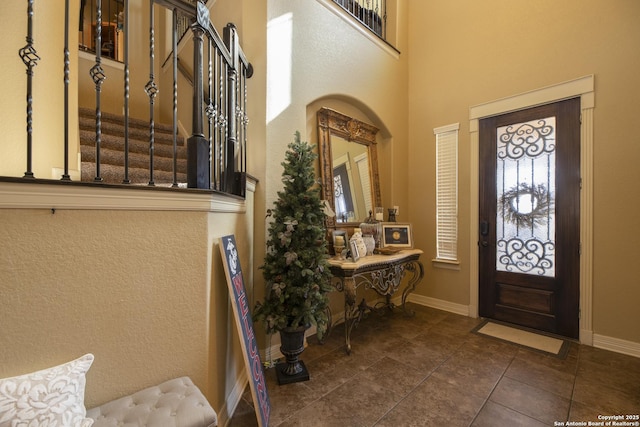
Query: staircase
[[112, 151]]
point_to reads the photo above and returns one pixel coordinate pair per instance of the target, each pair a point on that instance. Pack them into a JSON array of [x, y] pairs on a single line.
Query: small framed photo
[[355, 253], [397, 235]]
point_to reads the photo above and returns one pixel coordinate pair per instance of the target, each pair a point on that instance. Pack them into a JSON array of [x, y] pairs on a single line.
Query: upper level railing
[[371, 13], [112, 27], [216, 147]]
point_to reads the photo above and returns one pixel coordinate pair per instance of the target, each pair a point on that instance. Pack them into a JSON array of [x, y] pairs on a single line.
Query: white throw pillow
[[51, 397]]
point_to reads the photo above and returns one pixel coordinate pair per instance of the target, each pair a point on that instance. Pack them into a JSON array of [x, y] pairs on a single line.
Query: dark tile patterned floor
[[431, 370]]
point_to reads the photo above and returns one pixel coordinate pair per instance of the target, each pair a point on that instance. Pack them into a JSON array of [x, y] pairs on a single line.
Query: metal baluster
[[152, 90], [98, 76], [230, 39], [30, 58], [245, 123], [210, 111], [222, 122], [383, 15], [127, 86], [65, 175], [175, 96], [215, 131], [239, 127]]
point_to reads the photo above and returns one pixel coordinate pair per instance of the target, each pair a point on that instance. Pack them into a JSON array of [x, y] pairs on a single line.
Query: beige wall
[[324, 65], [48, 84], [466, 53], [143, 291], [327, 62], [120, 285]]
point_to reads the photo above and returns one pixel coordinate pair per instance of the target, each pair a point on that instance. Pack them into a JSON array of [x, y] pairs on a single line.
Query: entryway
[[583, 88], [529, 212]]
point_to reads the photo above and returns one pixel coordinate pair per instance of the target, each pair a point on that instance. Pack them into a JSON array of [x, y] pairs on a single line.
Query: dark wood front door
[[529, 227]]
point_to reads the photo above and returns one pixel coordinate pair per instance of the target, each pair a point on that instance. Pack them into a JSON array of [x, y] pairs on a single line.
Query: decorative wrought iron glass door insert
[[525, 177]]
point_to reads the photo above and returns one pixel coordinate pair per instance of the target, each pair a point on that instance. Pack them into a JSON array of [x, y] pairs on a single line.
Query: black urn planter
[[292, 345]]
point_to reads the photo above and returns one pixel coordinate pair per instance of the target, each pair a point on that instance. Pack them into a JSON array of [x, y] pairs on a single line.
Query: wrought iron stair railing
[[216, 147]]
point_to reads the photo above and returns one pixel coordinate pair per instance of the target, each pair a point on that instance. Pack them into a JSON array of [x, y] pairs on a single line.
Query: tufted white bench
[[174, 403]]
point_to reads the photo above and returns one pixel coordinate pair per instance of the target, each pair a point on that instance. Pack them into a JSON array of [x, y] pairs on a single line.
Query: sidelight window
[[447, 192]]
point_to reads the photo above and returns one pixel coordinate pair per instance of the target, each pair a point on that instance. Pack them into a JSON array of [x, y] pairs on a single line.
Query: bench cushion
[[174, 403]]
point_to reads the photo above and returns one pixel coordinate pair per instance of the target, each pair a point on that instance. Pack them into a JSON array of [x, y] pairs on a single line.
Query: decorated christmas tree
[[295, 267]]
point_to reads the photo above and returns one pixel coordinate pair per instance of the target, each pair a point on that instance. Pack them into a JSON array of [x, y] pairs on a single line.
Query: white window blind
[[447, 192]]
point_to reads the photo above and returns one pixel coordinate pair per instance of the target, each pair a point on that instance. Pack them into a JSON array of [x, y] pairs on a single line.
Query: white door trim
[[582, 87]]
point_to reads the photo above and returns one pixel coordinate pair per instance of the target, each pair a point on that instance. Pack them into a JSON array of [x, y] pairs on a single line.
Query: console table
[[383, 273]]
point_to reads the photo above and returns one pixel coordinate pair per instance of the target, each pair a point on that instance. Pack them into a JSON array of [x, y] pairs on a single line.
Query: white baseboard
[[615, 344], [586, 337], [439, 304]]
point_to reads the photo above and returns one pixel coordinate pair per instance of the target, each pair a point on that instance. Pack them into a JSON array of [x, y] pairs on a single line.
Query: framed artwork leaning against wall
[[397, 235]]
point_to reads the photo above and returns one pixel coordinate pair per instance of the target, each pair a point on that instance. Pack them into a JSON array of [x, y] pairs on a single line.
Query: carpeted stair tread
[[109, 118], [112, 150], [136, 160], [116, 142], [142, 135], [162, 134]]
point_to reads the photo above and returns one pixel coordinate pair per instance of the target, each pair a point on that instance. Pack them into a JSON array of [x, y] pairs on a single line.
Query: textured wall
[[145, 292], [324, 64], [129, 287]]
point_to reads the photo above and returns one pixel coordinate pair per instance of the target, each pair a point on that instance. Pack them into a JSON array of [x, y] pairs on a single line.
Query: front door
[[530, 217]]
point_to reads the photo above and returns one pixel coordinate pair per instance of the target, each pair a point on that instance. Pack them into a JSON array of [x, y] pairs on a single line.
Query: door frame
[[582, 87]]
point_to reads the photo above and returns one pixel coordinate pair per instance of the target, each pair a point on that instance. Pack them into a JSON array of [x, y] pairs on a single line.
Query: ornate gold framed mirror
[[348, 166]]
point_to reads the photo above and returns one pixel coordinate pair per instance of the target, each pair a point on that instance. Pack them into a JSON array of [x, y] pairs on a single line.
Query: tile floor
[[430, 370]]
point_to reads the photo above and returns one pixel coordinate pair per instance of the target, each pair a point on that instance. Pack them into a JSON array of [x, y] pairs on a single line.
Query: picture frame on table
[[355, 253], [397, 235]]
